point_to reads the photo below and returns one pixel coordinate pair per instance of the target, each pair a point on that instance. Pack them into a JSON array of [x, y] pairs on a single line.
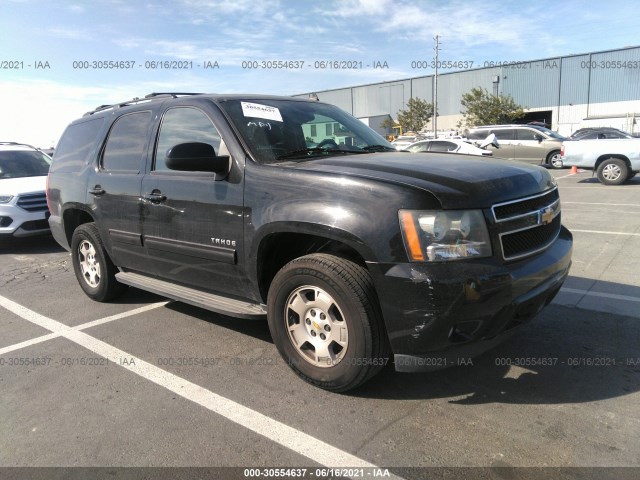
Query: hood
[[23, 185], [457, 181]]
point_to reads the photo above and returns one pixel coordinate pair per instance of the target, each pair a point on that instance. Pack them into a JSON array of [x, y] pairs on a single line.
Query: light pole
[[435, 90]]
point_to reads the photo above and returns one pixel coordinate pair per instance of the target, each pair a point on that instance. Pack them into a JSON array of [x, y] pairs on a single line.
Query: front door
[[528, 146], [192, 221]]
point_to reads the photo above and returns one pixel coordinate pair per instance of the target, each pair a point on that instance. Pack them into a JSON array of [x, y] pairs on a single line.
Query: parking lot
[[150, 383]]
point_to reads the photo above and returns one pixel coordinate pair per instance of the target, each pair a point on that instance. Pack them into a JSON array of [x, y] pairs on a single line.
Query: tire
[[326, 323], [613, 171], [554, 160], [93, 268]]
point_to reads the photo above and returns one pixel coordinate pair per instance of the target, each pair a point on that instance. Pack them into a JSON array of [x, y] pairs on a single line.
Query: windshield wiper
[[379, 148], [316, 150]]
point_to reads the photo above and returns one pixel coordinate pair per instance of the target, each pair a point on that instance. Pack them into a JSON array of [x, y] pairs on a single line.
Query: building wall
[[592, 89]]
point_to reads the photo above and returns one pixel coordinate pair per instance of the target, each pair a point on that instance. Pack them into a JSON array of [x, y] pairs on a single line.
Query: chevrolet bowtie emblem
[[545, 216], [315, 325]]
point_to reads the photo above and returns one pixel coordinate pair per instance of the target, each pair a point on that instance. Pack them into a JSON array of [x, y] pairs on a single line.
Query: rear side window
[[127, 143], [440, 146], [419, 147], [503, 134], [76, 144], [477, 134], [524, 134]]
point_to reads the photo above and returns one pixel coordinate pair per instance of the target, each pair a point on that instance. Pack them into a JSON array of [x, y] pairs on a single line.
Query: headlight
[[444, 235], [5, 198]]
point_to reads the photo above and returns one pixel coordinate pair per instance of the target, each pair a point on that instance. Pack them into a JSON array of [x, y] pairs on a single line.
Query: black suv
[[293, 210]]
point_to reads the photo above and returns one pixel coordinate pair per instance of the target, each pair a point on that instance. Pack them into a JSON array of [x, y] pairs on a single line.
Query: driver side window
[[182, 125]]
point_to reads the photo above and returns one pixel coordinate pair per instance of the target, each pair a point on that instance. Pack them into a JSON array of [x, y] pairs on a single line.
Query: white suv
[[23, 202]]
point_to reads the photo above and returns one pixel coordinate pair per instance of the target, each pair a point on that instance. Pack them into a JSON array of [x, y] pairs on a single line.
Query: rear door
[[506, 140], [193, 221], [114, 188]]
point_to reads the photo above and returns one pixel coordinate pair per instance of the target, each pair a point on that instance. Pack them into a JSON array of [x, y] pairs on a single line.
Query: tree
[[416, 115], [388, 123], [483, 108]]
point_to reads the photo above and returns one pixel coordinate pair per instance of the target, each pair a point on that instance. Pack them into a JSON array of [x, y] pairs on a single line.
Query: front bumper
[[16, 222], [438, 313]]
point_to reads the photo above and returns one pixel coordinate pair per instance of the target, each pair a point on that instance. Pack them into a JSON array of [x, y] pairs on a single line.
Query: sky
[[58, 59]]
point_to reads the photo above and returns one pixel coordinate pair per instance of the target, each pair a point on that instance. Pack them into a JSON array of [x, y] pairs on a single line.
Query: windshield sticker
[[256, 110]]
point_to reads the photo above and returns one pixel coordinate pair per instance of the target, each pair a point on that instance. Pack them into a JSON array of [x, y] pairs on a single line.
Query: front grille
[[529, 225], [33, 202], [531, 240], [522, 207]]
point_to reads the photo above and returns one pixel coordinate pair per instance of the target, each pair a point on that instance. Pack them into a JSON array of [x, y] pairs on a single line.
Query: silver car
[[527, 143], [23, 178]]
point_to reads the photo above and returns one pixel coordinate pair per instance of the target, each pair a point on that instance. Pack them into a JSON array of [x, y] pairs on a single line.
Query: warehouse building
[[567, 93]]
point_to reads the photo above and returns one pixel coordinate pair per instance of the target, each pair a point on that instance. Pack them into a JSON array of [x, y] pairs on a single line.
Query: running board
[[208, 301]]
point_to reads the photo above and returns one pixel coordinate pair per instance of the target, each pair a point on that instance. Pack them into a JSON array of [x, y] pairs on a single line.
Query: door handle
[[155, 197], [97, 191]]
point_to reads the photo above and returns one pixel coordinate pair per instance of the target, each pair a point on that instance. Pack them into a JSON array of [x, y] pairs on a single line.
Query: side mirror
[[538, 138], [196, 157]]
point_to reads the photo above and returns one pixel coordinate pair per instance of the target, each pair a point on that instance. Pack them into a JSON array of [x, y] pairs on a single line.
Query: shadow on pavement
[[30, 245], [568, 355]]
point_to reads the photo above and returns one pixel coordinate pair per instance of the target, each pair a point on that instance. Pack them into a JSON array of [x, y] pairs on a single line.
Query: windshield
[[551, 133], [23, 163], [289, 130]]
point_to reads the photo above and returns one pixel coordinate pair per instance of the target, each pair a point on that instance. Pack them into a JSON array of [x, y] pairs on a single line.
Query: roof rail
[[171, 94], [147, 98], [19, 143]]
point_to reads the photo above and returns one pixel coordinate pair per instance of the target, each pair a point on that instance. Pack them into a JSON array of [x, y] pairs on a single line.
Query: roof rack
[[19, 143], [150, 97]]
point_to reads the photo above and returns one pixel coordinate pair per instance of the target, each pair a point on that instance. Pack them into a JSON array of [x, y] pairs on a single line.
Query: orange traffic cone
[[574, 169]]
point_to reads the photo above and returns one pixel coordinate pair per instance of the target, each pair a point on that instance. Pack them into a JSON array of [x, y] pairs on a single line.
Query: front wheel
[[554, 160], [93, 268], [326, 323], [613, 171]]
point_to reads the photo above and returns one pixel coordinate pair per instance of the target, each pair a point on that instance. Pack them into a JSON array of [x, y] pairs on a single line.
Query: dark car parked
[[352, 251]]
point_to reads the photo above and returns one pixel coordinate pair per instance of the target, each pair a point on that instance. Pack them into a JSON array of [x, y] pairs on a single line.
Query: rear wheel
[[554, 160], [93, 268], [325, 321], [613, 171]]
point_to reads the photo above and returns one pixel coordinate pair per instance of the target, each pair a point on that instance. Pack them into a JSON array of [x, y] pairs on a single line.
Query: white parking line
[[280, 433], [612, 296], [625, 188], [570, 174], [607, 204], [118, 316], [39, 318], [28, 343], [606, 233]]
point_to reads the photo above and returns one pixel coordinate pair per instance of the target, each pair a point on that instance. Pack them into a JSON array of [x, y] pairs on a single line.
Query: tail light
[[562, 150]]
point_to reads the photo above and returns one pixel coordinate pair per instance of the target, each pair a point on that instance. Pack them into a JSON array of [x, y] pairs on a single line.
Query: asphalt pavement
[[144, 382]]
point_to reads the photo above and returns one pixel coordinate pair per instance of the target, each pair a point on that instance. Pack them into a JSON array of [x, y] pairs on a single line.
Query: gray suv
[[527, 143]]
